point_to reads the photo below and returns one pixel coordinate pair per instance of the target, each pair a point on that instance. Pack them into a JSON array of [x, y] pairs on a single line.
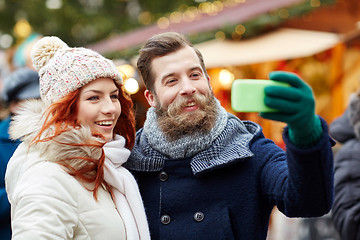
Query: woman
[[66, 180]]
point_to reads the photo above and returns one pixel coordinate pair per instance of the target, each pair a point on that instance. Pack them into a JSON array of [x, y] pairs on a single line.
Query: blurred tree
[[80, 22]]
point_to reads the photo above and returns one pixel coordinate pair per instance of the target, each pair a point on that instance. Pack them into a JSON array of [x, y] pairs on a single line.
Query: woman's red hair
[[62, 115]]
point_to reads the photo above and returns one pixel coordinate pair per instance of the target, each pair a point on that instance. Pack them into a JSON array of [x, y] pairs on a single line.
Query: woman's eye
[[114, 96], [93, 98]]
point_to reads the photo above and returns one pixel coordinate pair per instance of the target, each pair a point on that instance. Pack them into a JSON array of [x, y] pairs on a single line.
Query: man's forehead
[[181, 60]]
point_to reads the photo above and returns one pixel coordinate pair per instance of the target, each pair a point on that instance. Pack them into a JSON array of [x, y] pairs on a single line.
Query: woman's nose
[[108, 106]]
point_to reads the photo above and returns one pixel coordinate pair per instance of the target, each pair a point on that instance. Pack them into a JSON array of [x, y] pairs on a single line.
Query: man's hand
[[296, 107]]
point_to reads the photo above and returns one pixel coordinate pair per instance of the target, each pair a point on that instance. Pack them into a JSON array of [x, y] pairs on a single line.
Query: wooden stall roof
[[281, 44], [229, 15]]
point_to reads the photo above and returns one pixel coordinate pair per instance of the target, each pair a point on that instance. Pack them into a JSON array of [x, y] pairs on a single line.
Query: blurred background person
[[20, 85], [346, 210]]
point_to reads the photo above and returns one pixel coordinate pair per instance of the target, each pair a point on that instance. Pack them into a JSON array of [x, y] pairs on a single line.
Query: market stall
[[326, 61]]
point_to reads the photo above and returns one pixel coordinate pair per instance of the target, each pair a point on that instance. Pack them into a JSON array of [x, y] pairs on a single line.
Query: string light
[[226, 78], [22, 28], [163, 22], [131, 86]]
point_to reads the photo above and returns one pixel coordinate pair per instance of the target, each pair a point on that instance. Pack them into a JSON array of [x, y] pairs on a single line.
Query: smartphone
[[247, 95]]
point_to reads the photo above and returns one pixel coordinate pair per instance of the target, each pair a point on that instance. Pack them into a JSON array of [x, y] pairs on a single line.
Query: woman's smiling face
[[99, 106]]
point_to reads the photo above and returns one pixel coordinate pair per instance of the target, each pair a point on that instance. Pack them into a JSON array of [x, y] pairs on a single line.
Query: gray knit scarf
[[187, 145]]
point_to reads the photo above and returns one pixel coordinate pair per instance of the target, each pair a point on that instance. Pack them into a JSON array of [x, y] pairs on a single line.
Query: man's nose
[[187, 87]]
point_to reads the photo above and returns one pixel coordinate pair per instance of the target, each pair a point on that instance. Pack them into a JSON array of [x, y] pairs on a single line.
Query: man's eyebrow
[[195, 68], [167, 75]]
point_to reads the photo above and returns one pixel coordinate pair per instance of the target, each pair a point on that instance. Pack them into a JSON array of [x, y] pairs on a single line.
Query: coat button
[[199, 216], [165, 219], [163, 176]]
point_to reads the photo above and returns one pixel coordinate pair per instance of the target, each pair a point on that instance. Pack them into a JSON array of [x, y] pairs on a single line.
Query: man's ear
[[150, 98], [208, 78]]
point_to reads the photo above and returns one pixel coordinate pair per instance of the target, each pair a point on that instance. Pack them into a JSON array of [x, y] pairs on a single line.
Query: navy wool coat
[[229, 190]]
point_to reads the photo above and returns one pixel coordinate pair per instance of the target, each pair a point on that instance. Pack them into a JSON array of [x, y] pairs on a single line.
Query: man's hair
[[158, 46]]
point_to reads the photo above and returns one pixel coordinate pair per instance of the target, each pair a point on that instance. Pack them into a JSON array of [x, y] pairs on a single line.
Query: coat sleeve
[[346, 210], [44, 205], [300, 181]]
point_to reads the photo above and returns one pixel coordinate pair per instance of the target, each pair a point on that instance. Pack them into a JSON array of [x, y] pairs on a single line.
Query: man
[[205, 174]]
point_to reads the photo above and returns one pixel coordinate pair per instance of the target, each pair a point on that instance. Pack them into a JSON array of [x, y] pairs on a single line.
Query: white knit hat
[[63, 69]]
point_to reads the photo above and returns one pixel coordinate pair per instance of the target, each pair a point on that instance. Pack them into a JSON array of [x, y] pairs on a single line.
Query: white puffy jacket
[[46, 201]]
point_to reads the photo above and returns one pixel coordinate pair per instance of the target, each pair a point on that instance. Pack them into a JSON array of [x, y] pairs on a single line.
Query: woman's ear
[[150, 97]]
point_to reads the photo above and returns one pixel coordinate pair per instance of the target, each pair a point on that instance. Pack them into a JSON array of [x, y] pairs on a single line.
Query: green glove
[[296, 107]]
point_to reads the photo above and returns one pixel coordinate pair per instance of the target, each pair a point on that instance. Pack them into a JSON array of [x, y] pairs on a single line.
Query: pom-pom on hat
[[63, 69]]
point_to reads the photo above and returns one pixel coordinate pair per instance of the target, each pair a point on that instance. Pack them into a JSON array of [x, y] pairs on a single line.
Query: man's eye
[[171, 81], [195, 75]]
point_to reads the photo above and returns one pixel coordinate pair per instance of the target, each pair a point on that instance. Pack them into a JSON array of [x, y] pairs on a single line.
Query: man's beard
[[175, 124]]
